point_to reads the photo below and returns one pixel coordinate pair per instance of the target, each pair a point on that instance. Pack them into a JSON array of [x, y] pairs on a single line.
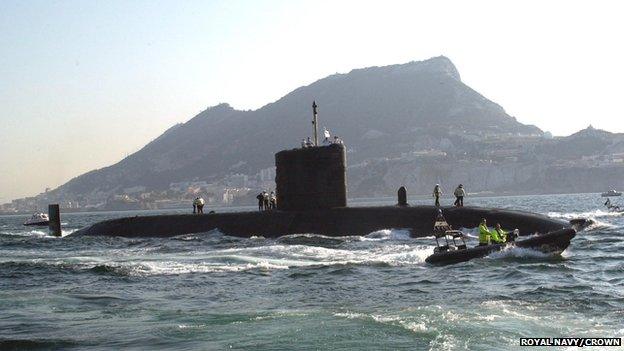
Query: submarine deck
[[342, 221]]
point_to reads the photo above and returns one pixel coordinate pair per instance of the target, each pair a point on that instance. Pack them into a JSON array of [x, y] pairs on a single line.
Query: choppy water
[[210, 291]]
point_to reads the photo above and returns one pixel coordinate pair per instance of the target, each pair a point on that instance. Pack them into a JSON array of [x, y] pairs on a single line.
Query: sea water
[[209, 291]]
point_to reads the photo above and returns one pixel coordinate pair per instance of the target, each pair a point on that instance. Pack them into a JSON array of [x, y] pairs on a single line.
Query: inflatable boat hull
[[553, 242]]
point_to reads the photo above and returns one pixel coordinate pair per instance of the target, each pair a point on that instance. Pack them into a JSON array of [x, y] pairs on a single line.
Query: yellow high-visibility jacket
[[484, 234], [498, 236]]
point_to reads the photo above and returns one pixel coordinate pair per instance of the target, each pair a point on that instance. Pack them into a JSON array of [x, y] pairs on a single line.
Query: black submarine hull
[[553, 242], [343, 221]]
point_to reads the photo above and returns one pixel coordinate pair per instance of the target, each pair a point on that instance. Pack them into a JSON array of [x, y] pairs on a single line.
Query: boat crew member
[[195, 206], [484, 233], [260, 198], [200, 205], [265, 200], [437, 191], [326, 141], [459, 196], [272, 200], [498, 235]]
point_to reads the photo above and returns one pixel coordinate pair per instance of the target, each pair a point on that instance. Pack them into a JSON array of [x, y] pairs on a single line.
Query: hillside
[[379, 112]]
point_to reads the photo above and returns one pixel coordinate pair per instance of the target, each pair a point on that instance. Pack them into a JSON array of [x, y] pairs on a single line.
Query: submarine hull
[[343, 221], [553, 242]]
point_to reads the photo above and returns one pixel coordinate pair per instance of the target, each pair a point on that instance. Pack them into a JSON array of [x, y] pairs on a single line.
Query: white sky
[[84, 83]]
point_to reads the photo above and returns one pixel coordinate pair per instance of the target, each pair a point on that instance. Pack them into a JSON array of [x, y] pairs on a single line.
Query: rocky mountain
[[413, 124], [380, 112]]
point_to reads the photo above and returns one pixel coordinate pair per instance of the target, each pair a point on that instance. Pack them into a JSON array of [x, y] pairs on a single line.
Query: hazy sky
[[84, 83]]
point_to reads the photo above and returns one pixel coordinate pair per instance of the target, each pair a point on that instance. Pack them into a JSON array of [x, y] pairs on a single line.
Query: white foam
[[67, 232], [418, 327], [513, 251], [195, 326], [38, 233], [599, 225], [304, 255], [388, 234], [588, 214], [147, 268]]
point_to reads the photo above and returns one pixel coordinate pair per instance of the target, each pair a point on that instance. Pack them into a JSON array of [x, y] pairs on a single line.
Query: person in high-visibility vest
[[498, 235], [484, 233]]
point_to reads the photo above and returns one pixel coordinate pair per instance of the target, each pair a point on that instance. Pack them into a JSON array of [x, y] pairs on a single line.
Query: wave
[[118, 270], [595, 224], [599, 225], [312, 239], [588, 214], [134, 268], [36, 233], [28, 233], [214, 234], [323, 240], [392, 254], [215, 254], [518, 252], [395, 320], [267, 258], [388, 234]]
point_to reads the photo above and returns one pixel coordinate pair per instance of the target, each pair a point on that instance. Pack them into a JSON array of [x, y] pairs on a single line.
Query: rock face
[[413, 124], [407, 104], [591, 160]]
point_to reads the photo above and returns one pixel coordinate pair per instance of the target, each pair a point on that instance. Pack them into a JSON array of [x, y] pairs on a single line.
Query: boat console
[[441, 229]]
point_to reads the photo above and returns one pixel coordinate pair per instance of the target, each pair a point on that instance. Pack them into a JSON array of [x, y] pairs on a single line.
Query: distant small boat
[[612, 192], [38, 219]]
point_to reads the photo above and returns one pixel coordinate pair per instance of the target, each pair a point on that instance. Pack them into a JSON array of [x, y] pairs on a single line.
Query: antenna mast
[[315, 123]]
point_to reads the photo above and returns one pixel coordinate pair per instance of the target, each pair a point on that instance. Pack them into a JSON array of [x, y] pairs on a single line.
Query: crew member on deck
[[459, 196], [200, 205], [437, 192], [265, 200], [260, 198]]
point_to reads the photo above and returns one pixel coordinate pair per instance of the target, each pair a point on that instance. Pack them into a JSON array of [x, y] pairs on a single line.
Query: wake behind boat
[[452, 251], [613, 208], [38, 219]]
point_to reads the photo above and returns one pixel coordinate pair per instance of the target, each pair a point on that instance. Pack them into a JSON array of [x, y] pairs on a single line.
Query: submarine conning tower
[[311, 178]]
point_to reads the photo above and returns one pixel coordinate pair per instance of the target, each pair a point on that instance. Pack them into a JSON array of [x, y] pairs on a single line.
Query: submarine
[[311, 189]]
